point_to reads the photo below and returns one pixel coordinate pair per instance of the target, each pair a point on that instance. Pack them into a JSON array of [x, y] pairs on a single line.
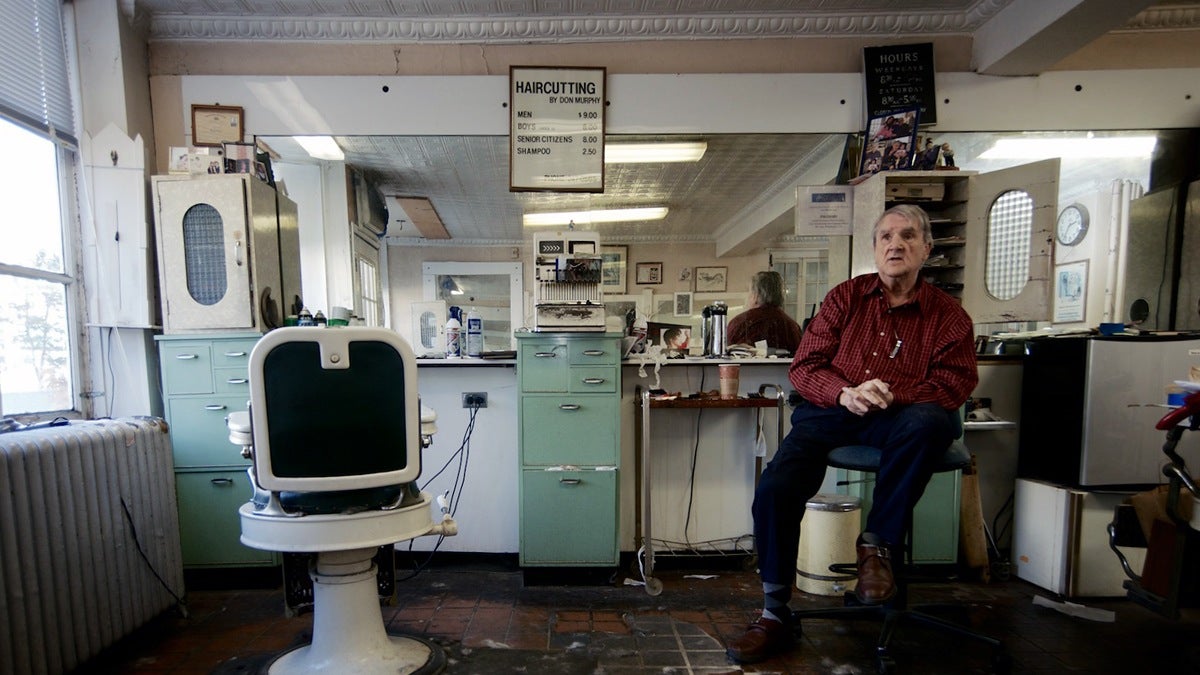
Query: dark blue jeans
[[912, 438]]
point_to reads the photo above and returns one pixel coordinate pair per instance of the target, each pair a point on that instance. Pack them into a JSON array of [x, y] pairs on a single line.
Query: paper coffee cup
[[729, 379]]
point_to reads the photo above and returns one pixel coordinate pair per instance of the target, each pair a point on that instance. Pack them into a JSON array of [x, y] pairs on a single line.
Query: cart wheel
[[750, 563], [654, 586]]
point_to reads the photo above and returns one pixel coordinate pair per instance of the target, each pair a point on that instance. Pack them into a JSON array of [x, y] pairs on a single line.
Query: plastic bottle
[[474, 334], [305, 318], [319, 319], [453, 335]]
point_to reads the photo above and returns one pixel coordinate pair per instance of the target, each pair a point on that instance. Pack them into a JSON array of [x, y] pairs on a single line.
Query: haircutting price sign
[[556, 134]]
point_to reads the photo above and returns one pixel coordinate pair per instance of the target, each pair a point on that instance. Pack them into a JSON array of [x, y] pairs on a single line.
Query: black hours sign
[[556, 134]]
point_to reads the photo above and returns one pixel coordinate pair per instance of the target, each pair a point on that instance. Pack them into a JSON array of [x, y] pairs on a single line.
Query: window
[[805, 280], [37, 362], [1010, 221], [367, 287]]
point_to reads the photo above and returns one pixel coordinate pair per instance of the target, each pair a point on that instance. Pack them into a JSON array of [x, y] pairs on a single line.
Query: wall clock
[[1072, 225]]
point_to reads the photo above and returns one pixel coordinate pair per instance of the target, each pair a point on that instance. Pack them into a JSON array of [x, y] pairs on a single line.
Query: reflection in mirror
[[1010, 222]]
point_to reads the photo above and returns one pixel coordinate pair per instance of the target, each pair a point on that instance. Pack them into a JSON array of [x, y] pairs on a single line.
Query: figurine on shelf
[[947, 159]]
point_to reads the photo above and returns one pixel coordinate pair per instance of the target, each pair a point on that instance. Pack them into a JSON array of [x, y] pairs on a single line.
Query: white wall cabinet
[[959, 204]]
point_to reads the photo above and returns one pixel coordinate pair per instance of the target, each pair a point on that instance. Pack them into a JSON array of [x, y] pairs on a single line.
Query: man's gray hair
[[768, 288], [913, 214]]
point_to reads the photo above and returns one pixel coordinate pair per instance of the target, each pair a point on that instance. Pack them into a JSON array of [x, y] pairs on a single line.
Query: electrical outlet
[[474, 399]]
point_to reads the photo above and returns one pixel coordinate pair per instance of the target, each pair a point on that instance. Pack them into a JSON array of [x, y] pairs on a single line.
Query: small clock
[[1072, 225]]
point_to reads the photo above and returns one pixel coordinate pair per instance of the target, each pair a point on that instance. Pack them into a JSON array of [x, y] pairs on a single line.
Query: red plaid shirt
[[924, 349]]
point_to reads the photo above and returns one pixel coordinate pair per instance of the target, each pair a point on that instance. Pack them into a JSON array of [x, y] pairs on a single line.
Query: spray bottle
[[453, 332], [474, 334]]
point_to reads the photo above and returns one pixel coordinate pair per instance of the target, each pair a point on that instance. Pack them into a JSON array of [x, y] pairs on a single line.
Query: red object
[[1191, 406]]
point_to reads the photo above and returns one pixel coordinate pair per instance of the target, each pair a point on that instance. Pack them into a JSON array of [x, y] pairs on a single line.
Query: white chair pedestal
[[348, 631]]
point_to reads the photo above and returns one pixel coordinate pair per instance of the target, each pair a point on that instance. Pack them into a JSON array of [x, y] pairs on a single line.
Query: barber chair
[[335, 431], [866, 459], [1170, 578]]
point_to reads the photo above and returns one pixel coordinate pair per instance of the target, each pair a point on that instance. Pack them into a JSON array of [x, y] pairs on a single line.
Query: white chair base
[[348, 631]]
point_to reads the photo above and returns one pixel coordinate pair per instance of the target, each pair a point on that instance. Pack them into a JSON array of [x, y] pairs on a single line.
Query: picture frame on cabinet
[[613, 266], [711, 279], [240, 158], [890, 144], [649, 273]]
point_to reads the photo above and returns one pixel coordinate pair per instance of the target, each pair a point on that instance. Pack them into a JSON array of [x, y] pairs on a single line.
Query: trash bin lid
[[832, 502]]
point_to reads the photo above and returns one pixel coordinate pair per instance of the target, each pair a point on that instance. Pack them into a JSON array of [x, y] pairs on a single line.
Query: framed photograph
[[683, 304], [891, 142], [711, 279], [650, 273], [214, 125], [613, 265], [1070, 292], [239, 158]]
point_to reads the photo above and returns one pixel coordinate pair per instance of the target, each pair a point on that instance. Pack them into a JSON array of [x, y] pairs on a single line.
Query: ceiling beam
[[1029, 36]]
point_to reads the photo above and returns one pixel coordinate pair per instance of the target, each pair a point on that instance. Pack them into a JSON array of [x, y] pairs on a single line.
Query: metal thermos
[[713, 329]]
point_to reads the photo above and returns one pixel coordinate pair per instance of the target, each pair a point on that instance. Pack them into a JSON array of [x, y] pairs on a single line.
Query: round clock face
[[1072, 225]]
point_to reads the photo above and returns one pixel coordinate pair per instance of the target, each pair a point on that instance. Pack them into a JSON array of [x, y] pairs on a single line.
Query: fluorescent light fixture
[[604, 216], [1070, 148], [641, 153], [321, 147]]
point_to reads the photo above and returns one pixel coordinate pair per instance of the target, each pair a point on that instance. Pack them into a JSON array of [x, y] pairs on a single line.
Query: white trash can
[[827, 535]]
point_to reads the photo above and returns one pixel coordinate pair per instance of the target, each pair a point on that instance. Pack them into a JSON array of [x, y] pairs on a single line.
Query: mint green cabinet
[[204, 378], [570, 448], [935, 520]]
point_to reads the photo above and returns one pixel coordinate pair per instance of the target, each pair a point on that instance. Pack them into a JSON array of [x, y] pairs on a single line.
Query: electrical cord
[[463, 453], [179, 602], [687, 519]]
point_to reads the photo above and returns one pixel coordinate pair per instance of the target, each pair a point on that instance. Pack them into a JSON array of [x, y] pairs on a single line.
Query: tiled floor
[[490, 621]]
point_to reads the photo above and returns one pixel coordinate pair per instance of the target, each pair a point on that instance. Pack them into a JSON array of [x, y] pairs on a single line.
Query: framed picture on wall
[[613, 265], [650, 273], [683, 304], [1070, 292], [711, 279]]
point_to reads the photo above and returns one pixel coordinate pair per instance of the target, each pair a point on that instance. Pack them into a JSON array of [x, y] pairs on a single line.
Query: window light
[[321, 147], [1070, 148], [601, 216], [635, 153]]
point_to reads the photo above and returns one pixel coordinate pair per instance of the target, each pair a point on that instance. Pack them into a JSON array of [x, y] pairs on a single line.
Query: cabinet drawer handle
[[237, 380], [235, 354], [569, 406], [593, 380], [222, 482], [545, 355], [186, 357], [214, 406], [570, 481], [593, 352]]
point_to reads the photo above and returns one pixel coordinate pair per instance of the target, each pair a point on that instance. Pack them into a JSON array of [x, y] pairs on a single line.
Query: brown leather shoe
[[763, 639], [876, 585]]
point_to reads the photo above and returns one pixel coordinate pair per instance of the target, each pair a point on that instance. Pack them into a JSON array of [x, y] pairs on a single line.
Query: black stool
[[866, 459]]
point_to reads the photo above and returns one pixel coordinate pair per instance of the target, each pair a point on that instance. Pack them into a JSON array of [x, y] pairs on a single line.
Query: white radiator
[[73, 579]]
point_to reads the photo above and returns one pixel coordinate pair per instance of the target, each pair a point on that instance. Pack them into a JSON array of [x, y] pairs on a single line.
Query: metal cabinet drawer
[[198, 432], [592, 379], [575, 429], [593, 351], [209, 526], [187, 368], [229, 353], [544, 366], [232, 381], [569, 517]]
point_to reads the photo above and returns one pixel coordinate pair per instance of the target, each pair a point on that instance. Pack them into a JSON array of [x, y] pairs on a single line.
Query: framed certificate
[[214, 125]]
